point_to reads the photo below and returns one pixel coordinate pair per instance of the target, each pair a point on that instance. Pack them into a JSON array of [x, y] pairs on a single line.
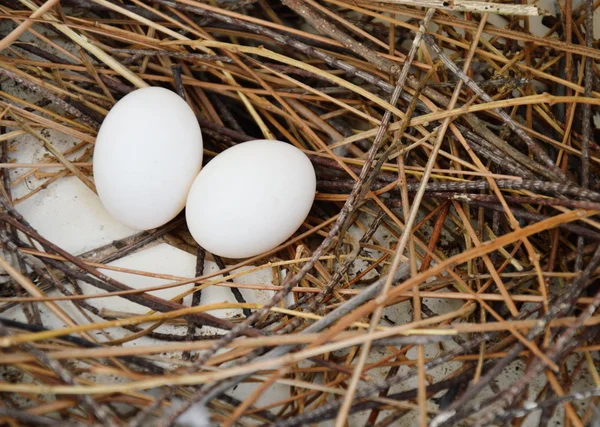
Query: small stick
[[514, 82], [105, 282], [196, 297], [130, 244], [114, 84], [56, 153], [535, 217], [472, 6], [50, 96], [179, 88], [533, 146], [524, 200], [561, 307], [399, 253], [84, 42], [586, 119], [235, 291], [225, 114], [230, 133], [92, 71], [556, 188], [181, 55], [531, 406], [23, 26], [324, 26], [435, 235], [37, 420]]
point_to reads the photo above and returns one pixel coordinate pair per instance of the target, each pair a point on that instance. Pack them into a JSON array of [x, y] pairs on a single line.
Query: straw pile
[[453, 238]]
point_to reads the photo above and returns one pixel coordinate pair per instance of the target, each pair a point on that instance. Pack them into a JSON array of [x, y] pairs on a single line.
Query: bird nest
[[446, 275]]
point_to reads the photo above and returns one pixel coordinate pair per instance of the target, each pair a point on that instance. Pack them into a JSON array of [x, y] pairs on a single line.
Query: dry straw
[[458, 177]]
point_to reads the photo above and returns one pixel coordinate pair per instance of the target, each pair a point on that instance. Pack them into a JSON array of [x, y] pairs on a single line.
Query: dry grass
[[469, 144]]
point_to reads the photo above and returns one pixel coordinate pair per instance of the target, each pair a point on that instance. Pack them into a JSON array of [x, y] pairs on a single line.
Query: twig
[[49, 95], [106, 282], [534, 217], [100, 412], [138, 361], [288, 41], [532, 406], [181, 55], [202, 398], [14, 34], [472, 6], [179, 88], [555, 188], [364, 352], [196, 297], [534, 147], [60, 157], [84, 43], [235, 291], [586, 118], [37, 420], [560, 307]]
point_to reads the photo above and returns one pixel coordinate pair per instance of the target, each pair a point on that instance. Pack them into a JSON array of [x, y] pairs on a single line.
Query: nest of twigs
[[447, 273]]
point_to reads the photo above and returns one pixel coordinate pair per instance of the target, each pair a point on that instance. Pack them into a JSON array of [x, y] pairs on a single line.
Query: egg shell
[[250, 198], [147, 154]]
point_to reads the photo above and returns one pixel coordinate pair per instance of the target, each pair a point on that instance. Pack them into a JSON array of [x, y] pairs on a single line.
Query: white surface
[[161, 259], [147, 154], [70, 215], [164, 259], [250, 198], [196, 416]]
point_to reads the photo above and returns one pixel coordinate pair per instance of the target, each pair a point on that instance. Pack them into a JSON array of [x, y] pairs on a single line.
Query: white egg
[[147, 154], [250, 198]]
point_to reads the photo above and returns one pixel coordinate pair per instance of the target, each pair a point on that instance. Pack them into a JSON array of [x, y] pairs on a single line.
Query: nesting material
[[445, 271]]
